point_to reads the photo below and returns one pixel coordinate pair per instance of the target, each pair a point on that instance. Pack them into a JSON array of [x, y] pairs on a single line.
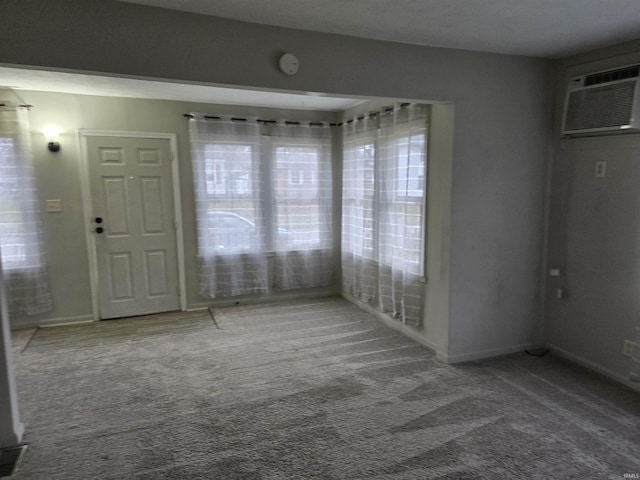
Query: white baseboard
[[593, 366], [492, 352], [24, 323], [196, 307], [269, 298], [441, 356]]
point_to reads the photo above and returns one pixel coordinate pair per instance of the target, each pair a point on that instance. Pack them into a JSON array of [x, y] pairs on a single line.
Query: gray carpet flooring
[[305, 390]]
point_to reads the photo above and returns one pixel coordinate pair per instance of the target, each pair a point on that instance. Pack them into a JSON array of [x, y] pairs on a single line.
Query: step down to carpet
[[9, 459]]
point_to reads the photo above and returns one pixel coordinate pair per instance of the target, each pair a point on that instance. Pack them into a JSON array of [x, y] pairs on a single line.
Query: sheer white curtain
[[229, 187], [300, 157], [359, 199], [401, 212], [21, 244], [383, 216]]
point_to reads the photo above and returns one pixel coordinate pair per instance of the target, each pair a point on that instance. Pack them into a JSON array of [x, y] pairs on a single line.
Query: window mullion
[[425, 203], [268, 194], [377, 201]]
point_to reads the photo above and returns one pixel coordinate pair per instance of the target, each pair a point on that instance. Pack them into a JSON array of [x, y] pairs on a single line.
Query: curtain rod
[[259, 120], [384, 111], [23, 105]]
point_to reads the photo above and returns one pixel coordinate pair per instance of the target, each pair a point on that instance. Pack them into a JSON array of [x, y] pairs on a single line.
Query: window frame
[[267, 202], [271, 144], [369, 139]]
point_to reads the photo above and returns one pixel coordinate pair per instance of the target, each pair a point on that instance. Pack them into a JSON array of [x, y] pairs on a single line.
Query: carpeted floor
[[305, 390]]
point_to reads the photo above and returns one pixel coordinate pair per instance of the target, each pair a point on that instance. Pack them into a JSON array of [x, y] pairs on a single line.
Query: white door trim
[[87, 206]]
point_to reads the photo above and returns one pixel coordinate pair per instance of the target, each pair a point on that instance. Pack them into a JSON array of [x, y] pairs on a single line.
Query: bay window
[[262, 191], [384, 210]]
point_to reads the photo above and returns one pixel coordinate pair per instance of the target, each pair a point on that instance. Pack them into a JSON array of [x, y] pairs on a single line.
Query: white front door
[[134, 225]]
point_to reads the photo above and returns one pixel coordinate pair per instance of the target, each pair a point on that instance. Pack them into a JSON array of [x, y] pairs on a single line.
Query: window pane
[[402, 202], [410, 169], [231, 213], [302, 192], [358, 234], [13, 238]]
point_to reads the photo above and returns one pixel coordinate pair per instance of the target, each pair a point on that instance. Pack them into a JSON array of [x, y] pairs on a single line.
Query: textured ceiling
[[539, 28]]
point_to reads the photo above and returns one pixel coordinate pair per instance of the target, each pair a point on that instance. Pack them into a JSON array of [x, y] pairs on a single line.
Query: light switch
[[54, 206], [554, 272]]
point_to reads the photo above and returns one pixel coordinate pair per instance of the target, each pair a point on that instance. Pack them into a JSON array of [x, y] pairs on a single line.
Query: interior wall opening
[[78, 111]]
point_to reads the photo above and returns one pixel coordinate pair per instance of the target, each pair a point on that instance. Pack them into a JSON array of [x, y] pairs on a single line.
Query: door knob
[[99, 230], [98, 220]]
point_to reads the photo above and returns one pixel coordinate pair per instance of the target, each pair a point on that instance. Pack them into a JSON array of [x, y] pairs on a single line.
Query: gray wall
[[503, 112], [594, 235]]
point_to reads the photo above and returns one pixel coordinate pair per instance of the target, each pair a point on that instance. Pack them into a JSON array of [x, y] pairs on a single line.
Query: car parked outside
[[232, 232]]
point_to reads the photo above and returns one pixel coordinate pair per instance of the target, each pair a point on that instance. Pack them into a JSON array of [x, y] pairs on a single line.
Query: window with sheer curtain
[[21, 246], [384, 210], [300, 162], [262, 191]]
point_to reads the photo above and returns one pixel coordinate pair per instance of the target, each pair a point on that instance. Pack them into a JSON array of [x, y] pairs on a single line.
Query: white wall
[[594, 235], [503, 111]]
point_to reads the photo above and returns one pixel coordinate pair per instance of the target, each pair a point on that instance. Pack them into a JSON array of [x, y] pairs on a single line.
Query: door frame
[[87, 205]]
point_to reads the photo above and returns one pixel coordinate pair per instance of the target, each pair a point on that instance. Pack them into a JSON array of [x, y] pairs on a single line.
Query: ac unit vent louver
[[603, 103], [612, 75]]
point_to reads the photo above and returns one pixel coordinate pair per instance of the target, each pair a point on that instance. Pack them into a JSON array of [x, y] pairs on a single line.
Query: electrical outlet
[[627, 348], [601, 169]]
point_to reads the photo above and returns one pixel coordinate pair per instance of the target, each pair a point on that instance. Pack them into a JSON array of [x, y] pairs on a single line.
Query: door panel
[[115, 201], [152, 214], [111, 156], [156, 268], [131, 190], [120, 276]]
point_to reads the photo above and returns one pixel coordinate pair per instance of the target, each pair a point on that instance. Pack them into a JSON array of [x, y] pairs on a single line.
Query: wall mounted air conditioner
[[603, 103]]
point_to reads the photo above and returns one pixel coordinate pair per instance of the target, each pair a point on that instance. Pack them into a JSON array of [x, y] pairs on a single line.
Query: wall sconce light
[[51, 133]]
